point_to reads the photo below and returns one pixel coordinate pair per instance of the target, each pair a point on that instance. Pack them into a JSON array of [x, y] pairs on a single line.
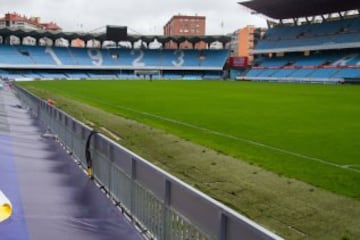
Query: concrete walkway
[[52, 198]]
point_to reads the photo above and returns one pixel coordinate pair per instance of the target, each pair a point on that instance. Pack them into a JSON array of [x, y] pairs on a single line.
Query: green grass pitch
[[302, 131]]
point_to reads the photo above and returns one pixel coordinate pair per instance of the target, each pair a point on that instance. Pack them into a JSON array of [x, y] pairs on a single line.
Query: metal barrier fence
[[164, 206]]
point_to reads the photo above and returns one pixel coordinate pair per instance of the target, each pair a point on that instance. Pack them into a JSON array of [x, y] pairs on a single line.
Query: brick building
[[182, 25], [244, 40], [15, 20]]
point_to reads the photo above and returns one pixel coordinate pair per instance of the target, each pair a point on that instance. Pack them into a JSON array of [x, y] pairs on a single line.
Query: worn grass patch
[[293, 209]]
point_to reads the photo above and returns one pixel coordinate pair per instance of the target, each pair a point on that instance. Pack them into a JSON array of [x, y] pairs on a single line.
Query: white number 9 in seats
[[96, 56]]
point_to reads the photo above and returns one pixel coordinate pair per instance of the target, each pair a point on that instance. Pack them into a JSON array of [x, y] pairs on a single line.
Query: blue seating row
[[319, 73], [28, 74], [325, 65], [317, 34], [123, 58], [334, 58]]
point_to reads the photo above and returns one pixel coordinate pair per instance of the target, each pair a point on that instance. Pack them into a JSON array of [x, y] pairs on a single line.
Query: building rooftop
[[36, 21]]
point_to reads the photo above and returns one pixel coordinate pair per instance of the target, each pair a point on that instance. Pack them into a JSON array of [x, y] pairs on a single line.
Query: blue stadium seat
[[324, 73], [77, 75], [254, 72], [11, 55], [302, 73], [283, 73], [348, 73]]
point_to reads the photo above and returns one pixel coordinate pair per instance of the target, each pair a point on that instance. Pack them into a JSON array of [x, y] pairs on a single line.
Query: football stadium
[[122, 140]]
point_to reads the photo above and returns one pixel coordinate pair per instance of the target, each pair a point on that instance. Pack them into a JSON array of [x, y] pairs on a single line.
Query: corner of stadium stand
[[307, 41]]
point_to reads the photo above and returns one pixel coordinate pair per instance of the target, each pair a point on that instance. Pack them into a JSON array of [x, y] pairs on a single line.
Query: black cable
[[88, 155]]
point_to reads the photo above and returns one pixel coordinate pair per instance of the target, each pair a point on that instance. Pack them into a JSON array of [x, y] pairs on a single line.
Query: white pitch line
[[291, 153], [351, 166], [241, 139]]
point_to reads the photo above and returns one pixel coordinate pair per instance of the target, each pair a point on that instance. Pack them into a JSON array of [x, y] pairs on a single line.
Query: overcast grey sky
[[143, 16]]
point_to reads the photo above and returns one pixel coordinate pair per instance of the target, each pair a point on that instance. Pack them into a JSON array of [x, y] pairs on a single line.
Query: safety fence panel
[[162, 205]]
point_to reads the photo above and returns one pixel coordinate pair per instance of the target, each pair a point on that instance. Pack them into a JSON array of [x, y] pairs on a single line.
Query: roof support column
[[296, 21], [7, 40]]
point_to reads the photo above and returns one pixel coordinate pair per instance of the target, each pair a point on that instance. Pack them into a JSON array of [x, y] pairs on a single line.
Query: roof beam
[[341, 15], [296, 21], [101, 36], [286, 9]]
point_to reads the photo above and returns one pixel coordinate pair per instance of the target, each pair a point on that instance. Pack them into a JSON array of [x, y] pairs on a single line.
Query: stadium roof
[[37, 34], [286, 9]]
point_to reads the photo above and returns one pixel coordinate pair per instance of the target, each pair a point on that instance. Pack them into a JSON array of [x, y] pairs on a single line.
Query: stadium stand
[[317, 35], [327, 66], [197, 63], [25, 62], [314, 46]]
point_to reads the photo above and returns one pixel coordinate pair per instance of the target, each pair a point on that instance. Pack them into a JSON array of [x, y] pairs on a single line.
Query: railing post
[[167, 200], [222, 227], [133, 178], [38, 106], [110, 153]]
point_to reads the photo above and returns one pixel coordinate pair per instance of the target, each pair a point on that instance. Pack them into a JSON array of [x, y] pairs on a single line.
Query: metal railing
[[164, 206]]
